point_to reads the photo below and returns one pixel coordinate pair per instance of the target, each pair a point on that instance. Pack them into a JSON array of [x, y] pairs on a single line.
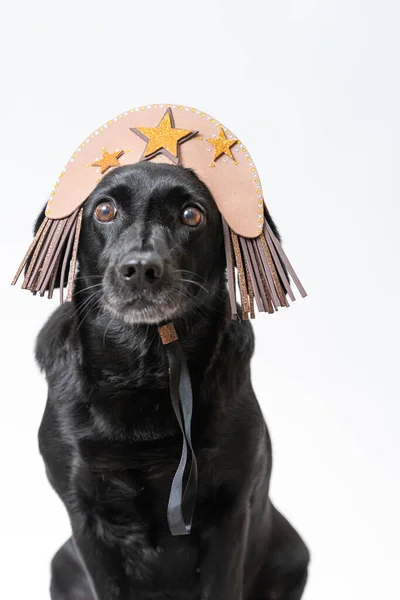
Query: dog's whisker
[[85, 303], [198, 304], [88, 277], [190, 273], [200, 285], [96, 303], [90, 287]]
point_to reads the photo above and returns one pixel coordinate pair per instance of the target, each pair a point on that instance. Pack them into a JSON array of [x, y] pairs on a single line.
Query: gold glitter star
[[108, 160], [163, 139], [221, 144]]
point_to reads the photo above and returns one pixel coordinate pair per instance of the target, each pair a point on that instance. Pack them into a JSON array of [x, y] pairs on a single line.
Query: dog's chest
[[124, 488], [127, 508]]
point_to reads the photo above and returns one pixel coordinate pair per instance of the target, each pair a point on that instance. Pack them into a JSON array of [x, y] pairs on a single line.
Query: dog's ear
[[41, 217], [276, 233], [272, 223]]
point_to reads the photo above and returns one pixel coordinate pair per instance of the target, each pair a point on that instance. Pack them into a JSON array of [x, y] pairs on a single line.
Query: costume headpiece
[[173, 134]]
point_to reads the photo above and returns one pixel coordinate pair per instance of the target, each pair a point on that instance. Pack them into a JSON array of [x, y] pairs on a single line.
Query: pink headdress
[[176, 135]]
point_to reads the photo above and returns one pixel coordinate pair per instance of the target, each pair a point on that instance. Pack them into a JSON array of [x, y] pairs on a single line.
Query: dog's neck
[[126, 369], [113, 348]]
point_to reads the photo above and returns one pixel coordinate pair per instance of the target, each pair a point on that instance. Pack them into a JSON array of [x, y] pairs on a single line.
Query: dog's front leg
[[222, 568]]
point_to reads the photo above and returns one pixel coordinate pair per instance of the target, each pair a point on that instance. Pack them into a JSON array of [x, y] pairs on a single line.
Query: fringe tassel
[[230, 268], [72, 269], [50, 249], [240, 265], [261, 264]]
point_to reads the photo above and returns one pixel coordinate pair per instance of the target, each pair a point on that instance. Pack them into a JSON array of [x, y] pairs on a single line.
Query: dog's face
[[151, 245]]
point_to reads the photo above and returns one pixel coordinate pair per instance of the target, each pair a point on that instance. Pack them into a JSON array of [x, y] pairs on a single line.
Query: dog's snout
[[141, 269]]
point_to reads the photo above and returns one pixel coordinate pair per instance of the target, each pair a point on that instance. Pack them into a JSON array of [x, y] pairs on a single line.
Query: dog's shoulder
[[239, 337], [229, 365], [57, 345]]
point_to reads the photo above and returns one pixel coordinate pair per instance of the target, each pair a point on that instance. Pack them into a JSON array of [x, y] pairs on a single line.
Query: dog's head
[[151, 245]]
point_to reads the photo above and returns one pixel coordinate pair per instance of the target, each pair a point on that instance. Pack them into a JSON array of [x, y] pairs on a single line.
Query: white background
[[312, 87]]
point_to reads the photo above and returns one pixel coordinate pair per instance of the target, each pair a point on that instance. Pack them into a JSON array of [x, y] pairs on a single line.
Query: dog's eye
[[192, 216], [105, 212]]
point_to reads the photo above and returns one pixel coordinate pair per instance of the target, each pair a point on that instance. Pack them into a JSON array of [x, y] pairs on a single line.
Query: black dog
[[151, 251]]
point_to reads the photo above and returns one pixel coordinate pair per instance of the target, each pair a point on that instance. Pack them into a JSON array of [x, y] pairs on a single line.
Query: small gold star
[[108, 160], [221, 144], [163, 139]]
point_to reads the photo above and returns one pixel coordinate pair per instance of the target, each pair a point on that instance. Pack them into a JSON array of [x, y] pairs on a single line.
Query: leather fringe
[[262, 268], [53, 249]]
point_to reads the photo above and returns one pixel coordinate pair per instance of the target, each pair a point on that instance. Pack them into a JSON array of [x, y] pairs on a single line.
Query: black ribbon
[[182, 499]]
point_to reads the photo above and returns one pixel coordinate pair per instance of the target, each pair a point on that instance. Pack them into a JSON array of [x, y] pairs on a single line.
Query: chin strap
[[182, 498]]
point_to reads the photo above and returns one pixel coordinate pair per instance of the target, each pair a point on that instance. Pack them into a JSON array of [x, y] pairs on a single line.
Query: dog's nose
[[141, 269]]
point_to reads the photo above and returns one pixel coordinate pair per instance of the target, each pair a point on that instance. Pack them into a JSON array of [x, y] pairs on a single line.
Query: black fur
[[109, 438]]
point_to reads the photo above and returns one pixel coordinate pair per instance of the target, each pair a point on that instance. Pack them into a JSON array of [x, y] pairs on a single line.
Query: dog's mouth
[[151, 303], [145, 307]]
